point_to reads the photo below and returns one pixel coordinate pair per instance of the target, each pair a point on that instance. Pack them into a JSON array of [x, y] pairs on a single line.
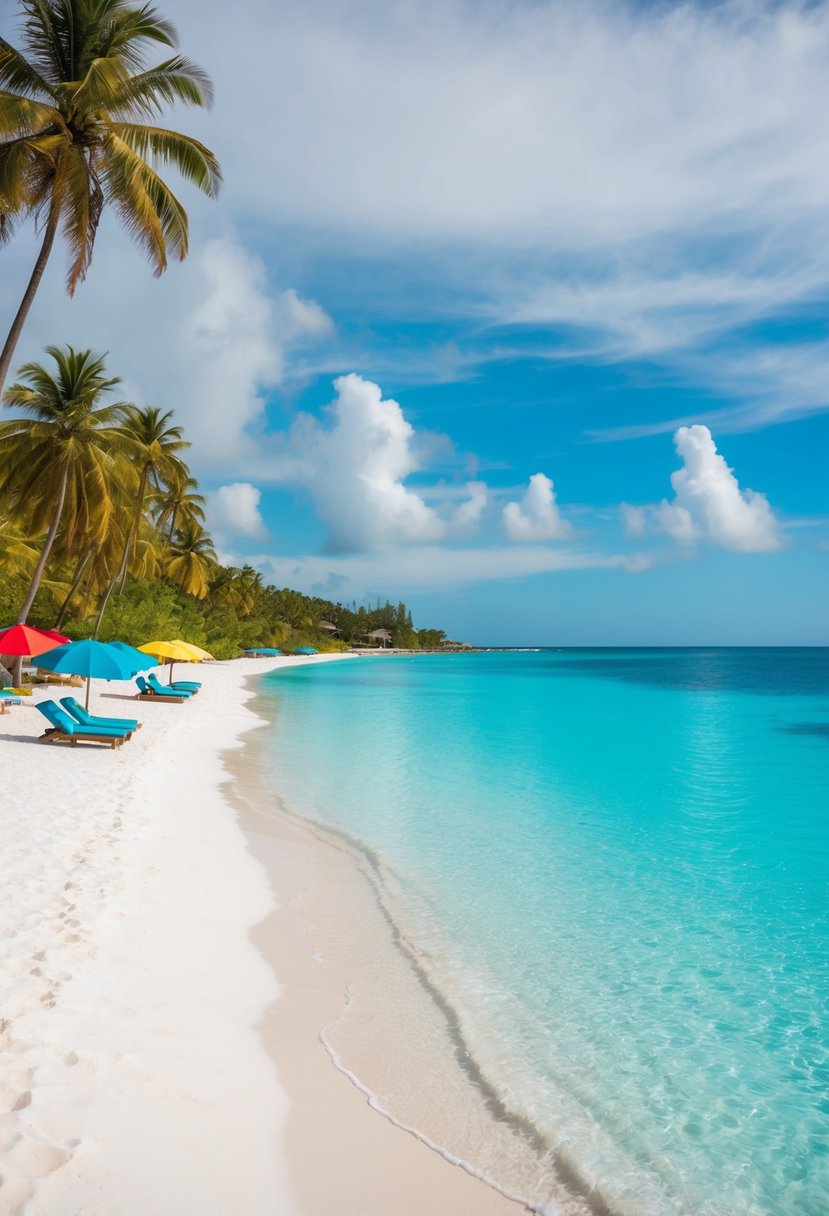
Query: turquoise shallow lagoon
[[616, 865]]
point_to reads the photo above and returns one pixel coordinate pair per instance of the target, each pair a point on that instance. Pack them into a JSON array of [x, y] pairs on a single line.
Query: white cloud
[[235, 508], [430, 568], [708, 503], [467, 516], [355, 470], [536, 517]]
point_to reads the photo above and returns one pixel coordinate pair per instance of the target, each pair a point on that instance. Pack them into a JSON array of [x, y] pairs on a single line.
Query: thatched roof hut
[[380, 635]]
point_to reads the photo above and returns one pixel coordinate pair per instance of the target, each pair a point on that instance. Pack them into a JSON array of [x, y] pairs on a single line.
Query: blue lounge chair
[[64, 730], [148, 693], [189, 686], [77, 711]]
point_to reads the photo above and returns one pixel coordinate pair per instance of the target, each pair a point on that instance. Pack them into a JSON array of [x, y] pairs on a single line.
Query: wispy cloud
[[432, 568], [640, 179]]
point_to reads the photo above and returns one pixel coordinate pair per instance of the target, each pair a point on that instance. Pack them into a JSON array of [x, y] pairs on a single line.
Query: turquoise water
[[616, 863]]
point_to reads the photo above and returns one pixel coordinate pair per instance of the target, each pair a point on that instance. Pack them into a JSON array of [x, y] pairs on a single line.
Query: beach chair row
[[69, 722]]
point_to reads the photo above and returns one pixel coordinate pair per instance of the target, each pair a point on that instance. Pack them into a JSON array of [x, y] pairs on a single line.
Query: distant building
[[328, 626], [380, 635]]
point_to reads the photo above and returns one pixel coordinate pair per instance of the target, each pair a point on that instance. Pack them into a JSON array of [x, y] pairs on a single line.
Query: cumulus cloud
[[354, 462], [708, 504], [536, 517], [355, 469], [235, 508]]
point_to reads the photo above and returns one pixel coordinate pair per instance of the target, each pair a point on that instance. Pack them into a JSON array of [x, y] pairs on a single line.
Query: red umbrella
[[20, 640]]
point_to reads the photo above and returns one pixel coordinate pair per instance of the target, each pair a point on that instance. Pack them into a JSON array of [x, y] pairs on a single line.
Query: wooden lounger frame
[[154, 696], [60, 736]]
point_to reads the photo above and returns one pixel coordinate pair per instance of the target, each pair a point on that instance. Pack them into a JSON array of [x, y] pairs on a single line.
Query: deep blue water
[[617, 862]]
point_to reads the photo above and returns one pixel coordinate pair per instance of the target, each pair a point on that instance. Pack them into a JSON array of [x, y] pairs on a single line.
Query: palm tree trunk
[[39, 568], [76, 582], [121, 572], [28, 296]]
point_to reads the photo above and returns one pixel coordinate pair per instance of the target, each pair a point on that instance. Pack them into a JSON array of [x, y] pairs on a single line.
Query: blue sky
[[482, 279]]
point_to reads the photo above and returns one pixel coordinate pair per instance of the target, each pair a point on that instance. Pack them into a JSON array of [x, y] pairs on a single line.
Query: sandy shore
[[158, 1056]]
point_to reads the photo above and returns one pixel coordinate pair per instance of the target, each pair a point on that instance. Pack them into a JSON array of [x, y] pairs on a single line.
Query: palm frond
[[176, 80], [44, 35], [18, 74], [128, 29], [21, 116], [100, 87], [193, 160], [82, 204]]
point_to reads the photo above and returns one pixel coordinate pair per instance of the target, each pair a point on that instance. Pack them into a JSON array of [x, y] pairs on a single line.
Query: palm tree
[[57, 463], [154, 446], [190, 559], [75, 135], [178, 504]]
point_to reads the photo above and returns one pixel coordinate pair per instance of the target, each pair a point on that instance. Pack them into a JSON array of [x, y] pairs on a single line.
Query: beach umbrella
[[25, 640], [305, 650], [196, 651], [90, 658], [135, 658], [176, 652]]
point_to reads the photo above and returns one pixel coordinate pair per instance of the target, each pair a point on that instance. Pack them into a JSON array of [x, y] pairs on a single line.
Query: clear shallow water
[[616, 865]]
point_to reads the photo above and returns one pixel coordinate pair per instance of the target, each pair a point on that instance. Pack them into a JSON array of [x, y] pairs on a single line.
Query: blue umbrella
[[136, 659], [305, 650], [88, 658]]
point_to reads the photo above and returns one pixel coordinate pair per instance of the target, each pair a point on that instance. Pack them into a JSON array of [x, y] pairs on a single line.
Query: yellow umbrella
[[196, 651], [176, 652]]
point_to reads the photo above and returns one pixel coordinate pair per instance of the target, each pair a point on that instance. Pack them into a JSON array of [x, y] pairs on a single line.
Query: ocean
[[612, 865]]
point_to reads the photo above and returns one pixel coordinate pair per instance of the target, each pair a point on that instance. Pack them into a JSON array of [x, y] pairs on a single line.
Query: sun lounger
[[146, 693], [77, 711], [64, 730], [179, 686]]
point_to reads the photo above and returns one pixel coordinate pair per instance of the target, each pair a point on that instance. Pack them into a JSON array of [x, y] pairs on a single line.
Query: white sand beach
[[154, 1060]]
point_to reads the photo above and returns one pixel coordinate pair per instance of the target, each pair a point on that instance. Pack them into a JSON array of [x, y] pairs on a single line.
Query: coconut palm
[[178, 504], [190, 559], [57, 462], [76, 134], [154, 446]]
